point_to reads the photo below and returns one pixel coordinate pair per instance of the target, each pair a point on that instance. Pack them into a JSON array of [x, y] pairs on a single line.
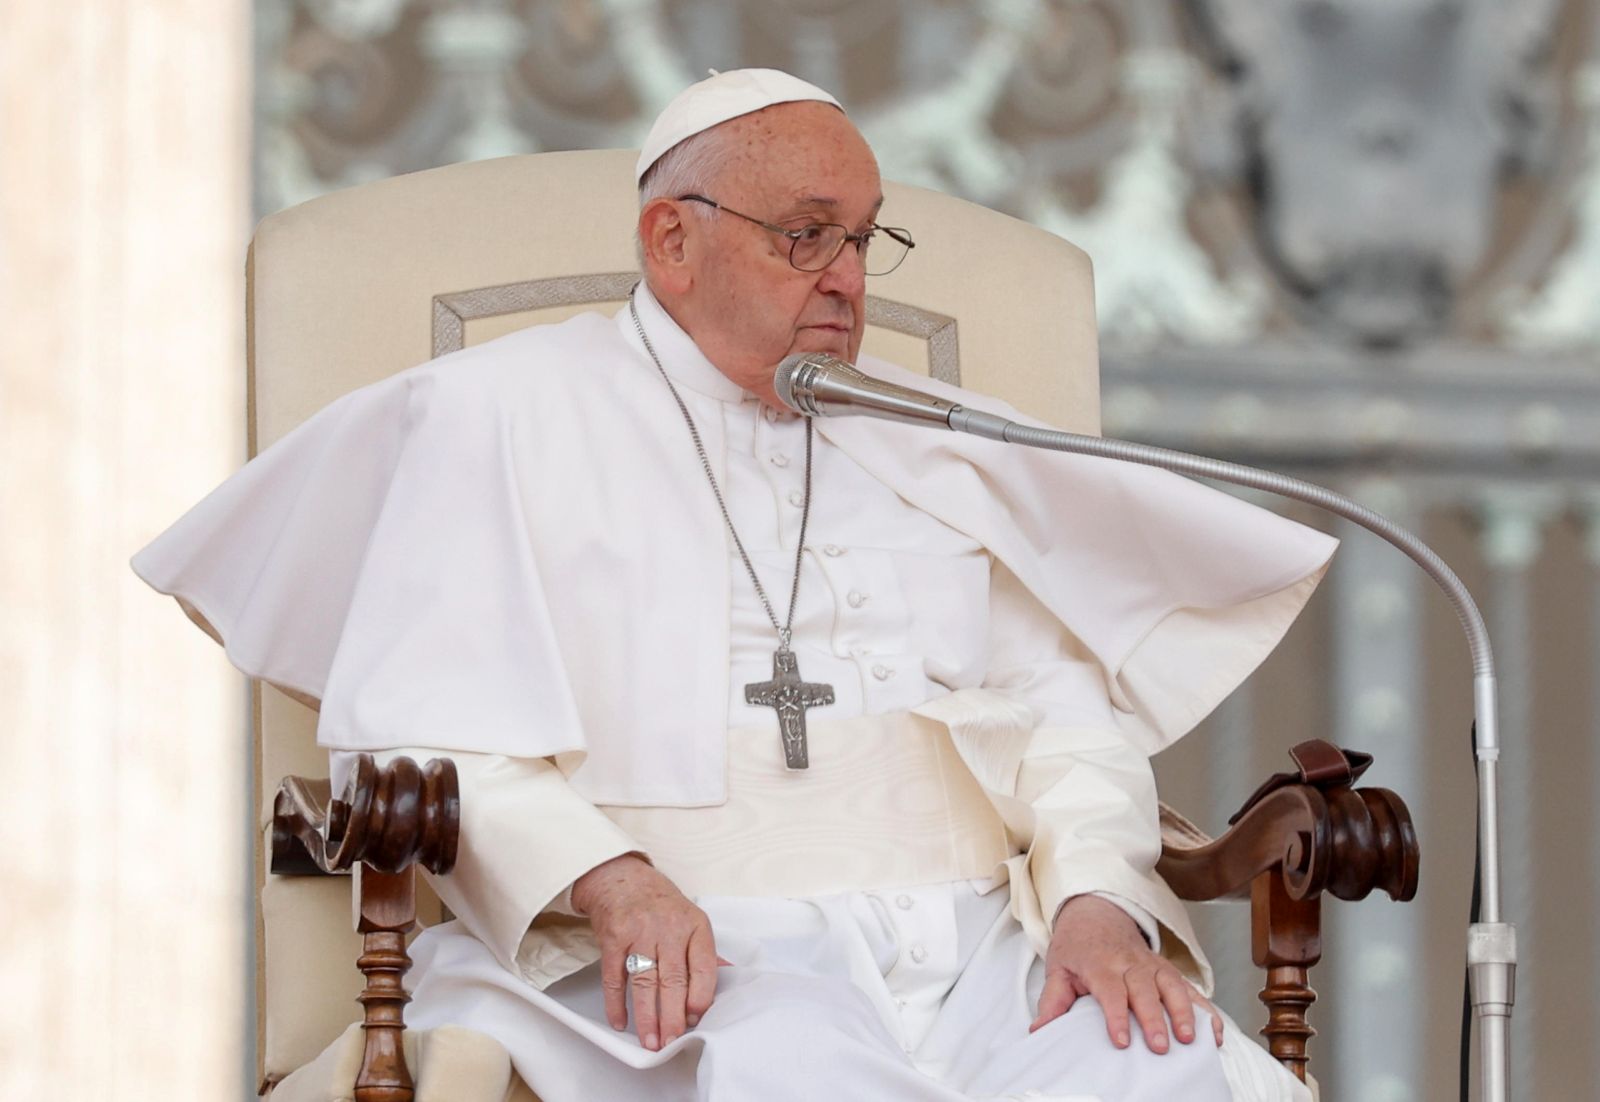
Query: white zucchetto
[[718, 98]]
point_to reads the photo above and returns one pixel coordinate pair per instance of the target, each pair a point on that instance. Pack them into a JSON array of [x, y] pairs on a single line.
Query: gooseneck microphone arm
[[820, 385]]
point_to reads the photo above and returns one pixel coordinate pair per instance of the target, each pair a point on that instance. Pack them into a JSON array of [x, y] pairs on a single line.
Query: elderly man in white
[[938, 882]]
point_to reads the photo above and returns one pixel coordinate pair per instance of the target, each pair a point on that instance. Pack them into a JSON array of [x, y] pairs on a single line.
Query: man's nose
[[847, 274]]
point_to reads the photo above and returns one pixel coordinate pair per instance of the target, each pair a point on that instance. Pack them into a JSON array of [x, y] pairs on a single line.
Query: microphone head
[[819, 385], [796, 376]]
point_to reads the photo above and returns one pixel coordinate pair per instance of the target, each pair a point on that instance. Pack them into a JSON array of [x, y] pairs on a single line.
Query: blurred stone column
[[473, 47], [1512, 536], [1231, 775], [1590, 518], [124, 213], [1373, 948]]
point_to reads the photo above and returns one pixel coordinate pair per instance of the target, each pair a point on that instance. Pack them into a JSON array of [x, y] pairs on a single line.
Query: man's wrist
[[582, 888], [1142, 919]]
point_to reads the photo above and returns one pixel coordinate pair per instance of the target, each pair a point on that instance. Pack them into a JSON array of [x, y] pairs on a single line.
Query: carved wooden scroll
[[1291, 843], [388, 820]]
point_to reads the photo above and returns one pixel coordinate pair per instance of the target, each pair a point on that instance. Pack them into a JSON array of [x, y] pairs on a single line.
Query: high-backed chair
[[348, 288]]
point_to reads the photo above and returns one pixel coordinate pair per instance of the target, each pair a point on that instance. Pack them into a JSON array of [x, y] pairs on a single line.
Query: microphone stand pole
[[1491, 942]]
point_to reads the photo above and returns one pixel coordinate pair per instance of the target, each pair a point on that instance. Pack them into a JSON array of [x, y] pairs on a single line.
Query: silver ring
[[638, 962]]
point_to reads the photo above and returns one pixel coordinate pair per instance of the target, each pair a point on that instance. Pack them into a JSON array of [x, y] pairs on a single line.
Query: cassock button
[[883, 673], [780, 460], [918, 954], [856, 598], [904, 902], [797, 499], [833, 549]]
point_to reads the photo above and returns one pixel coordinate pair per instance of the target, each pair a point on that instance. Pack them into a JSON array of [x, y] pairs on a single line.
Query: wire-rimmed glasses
[[814, 246]]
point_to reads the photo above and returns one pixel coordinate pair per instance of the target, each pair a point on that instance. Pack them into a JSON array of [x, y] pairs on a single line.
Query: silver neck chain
[[785, 630]]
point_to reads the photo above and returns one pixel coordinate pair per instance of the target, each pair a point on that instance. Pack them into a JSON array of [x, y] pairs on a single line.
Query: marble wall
[[124, 890]]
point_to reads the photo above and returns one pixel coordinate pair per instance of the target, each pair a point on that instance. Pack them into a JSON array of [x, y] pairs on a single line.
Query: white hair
[[692, 167]]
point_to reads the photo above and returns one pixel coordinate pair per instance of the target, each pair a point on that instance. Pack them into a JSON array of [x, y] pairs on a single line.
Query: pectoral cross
[[791, 697]]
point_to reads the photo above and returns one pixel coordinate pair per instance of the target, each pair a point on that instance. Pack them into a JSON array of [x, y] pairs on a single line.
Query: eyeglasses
[[814, 246]]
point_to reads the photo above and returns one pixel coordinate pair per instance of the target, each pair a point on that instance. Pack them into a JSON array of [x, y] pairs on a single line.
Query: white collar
[[681, 358]]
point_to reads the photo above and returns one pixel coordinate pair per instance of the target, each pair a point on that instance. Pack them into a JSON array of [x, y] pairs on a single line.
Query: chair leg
[[1288, 997], [388, 911], [393, 819], [1286, 940]]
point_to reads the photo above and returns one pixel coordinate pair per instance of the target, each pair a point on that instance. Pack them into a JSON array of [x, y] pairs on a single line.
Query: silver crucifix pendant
[[791, 697]]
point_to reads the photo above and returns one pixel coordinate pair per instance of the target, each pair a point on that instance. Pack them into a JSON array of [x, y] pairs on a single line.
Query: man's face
[[745, 305]]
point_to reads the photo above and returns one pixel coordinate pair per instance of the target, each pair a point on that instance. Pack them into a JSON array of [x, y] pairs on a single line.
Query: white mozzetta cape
[[512, 550]]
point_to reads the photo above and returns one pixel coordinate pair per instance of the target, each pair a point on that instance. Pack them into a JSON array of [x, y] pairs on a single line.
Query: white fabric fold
[[1135, 562], [921, 994], [1081, 804], [447, 558], [1077, 807]]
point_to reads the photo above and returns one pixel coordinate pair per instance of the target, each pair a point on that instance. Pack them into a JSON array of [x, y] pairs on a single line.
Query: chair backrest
[[353, 286]]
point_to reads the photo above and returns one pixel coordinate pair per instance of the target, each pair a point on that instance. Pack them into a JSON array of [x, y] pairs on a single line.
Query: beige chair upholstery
[[351, 287]]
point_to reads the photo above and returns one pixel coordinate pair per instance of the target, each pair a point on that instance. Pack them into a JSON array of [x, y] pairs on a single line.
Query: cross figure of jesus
[[790, 696]]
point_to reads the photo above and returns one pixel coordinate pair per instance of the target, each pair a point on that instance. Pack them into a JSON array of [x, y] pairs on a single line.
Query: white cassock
[[465, 578]]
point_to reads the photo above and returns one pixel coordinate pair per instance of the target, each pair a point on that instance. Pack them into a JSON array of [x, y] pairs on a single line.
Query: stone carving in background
[[1565, 311], [1374, 140], [1235, 166], [1039, 115]]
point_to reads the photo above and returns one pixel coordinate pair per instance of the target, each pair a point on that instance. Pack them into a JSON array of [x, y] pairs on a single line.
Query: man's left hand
[[1097, 949]]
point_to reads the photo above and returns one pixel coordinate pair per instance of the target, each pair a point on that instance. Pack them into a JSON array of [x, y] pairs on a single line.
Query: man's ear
[[663, 234]]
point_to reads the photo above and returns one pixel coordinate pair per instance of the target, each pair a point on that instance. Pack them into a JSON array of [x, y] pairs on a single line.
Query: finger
[[673, 989], [1216, 1016], [1056, 999], [614, 987], [721, 963], [1200, 1001], [1112, 994], [1145, 1000], [646, 1020], [702, 975], [1179, 998]]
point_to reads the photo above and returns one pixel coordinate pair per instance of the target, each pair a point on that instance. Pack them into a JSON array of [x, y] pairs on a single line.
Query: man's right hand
[[635, 909]]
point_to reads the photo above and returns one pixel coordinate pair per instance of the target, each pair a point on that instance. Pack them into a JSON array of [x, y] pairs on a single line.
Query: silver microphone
[[820, 385]]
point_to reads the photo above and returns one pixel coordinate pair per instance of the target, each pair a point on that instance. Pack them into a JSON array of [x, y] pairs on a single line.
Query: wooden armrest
[[1291, 844], [388, 820], [1348, 841]]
